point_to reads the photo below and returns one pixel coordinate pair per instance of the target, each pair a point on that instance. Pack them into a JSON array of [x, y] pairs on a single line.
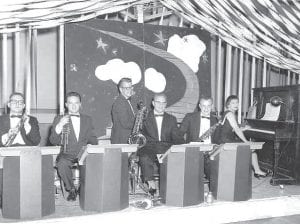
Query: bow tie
[[74, 115], [129, 98], [18, 116], [205, 117], [158, 115]]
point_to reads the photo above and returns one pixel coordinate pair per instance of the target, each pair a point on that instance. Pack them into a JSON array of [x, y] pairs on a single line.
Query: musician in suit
[[122, 113], [161, 131], [73, 131], [197, 123], [17, 128]]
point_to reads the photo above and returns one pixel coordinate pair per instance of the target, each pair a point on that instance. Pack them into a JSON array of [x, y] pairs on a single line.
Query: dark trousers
[[149, 166], [64, 168]]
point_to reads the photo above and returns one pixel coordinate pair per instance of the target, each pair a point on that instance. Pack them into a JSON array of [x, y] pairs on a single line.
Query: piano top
[[265, 124], [280, 130]]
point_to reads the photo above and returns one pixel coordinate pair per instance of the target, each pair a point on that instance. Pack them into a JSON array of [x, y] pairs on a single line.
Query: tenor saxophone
[[136, 137]]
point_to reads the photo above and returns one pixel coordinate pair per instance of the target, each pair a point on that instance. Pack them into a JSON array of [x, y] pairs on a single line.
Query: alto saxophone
[[12, 136], [136, 137], [209, 132]]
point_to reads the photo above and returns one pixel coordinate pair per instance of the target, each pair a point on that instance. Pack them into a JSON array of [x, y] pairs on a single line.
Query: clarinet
[[65, 135]]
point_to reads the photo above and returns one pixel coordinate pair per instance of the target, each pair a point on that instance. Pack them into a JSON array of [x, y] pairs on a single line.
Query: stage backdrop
[[98, 53]]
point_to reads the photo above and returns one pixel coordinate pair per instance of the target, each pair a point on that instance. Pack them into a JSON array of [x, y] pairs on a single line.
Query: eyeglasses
[[159, 102], [127, 88], [15, 102]]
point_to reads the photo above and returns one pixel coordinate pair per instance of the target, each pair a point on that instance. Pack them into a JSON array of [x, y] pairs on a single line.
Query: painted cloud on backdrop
[[188, 48], [154, 80], [116, 69]]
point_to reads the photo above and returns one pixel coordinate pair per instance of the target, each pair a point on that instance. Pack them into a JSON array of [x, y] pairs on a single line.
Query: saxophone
[[209, 132], [136, 137], [12, 136]]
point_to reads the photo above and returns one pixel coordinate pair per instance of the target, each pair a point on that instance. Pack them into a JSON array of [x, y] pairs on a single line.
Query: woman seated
[[231, 132]]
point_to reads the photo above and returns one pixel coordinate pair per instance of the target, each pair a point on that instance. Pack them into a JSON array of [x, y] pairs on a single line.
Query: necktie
[[74, 115], [205, 117], [158, 115], [18, 116]]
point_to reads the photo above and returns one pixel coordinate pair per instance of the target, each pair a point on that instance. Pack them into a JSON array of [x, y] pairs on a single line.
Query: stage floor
[[267, 203]]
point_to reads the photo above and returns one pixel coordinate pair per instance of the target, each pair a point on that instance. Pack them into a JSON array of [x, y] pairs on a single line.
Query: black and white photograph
[[150, 111]]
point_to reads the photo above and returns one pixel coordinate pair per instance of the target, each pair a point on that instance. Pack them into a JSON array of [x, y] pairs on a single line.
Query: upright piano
[[281, 153]]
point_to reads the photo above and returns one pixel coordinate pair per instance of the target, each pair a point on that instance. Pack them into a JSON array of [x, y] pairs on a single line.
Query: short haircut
[[206, 98], [229, 99], [69, 94], [159, 95], [128, 80], [16, 94]]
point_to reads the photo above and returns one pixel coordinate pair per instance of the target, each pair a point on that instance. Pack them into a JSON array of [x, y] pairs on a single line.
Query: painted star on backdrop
[[160, 38], [205, 58], [73, 68], [130, 32], [101, 44]]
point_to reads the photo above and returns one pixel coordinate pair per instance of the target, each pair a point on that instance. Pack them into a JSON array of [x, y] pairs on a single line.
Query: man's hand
[[12, 131], [27, 125], [64, 120]]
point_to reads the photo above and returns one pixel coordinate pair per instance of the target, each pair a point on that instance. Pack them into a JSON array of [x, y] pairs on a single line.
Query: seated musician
[[17, 128], [231, 132], [73, 132], [160, 130], [195, 125]]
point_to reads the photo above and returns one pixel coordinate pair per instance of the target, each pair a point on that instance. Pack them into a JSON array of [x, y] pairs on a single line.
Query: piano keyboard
[[261, 130]]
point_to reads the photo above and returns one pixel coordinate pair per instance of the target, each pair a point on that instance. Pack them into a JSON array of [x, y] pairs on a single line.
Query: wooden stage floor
[[269, 204]]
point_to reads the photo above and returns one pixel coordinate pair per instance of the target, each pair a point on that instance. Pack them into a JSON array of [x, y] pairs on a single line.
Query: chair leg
[[63, 189]]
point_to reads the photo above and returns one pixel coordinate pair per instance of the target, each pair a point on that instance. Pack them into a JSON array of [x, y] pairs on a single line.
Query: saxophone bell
[[139, 139]]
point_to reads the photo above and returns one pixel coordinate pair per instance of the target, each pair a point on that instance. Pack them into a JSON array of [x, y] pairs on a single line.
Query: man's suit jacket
[[122, 119], [31, 139], [169, 134], [191, 126], [86, 136]]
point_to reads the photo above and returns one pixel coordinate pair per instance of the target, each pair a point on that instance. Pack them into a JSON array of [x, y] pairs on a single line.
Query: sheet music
[[271, 112]]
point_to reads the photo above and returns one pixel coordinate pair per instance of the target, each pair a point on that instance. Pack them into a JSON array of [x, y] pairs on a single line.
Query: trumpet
[[13, 135], [65, 135]]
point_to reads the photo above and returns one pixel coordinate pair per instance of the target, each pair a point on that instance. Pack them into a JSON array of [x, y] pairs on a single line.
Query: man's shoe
[[152, 191], [72, 195]]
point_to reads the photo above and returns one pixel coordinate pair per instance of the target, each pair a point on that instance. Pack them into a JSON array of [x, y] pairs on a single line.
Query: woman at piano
[[230, 131]]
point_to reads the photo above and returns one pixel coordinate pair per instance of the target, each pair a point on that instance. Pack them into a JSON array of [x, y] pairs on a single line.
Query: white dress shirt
[[159, 120], [76, 125]]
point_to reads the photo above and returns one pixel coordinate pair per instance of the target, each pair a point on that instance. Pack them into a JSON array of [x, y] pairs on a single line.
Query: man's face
[[73, 104], [126, 89], [16, 104], [159, 103], [205, 106]]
